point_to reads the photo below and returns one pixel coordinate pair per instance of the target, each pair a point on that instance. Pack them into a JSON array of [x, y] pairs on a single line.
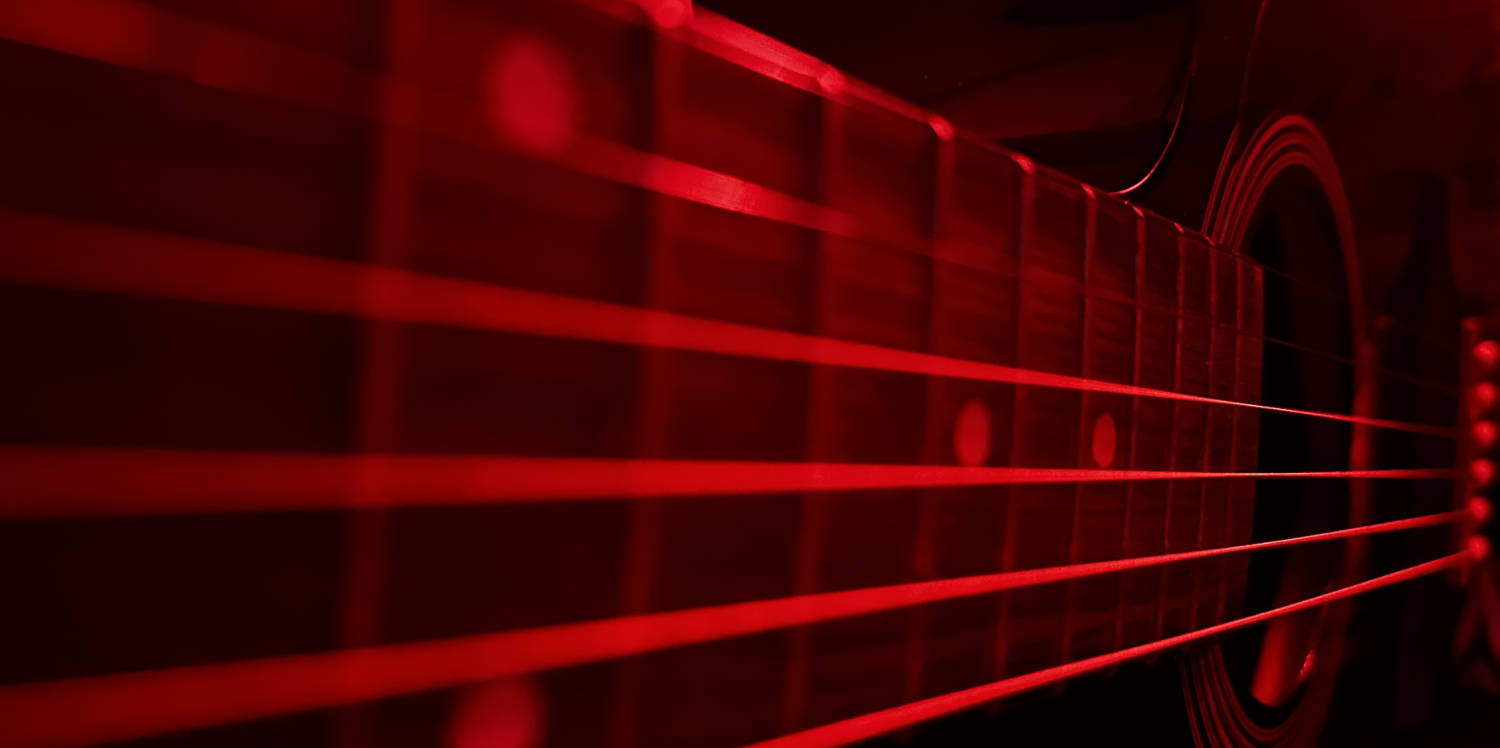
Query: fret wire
[[195, 270], [169, 23], [164, 68], [811, 519], [1238, 330], [365, 574], [1199, 571], [717, 30], [1081, 454], [182, 698], [1175, 488], [889, 720], [1025, 226], [1137, 323], [1234, 439], [168, 239], [925, 545], [269, 55], [713, 28], [654, 384], [1083, 397]]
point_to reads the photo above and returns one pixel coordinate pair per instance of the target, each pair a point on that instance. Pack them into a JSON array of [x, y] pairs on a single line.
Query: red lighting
[[43, 482], [668, 14], [532, 98], [1102, 443], [504, 714], [1485, 433], [1485, 394], [517, 374], [1308, 664], [941, 126], [1482, 471], [832, 81], [1487, 352], [1479, 509], [174, 699], [971, 433], [119, 260], [890, 720], [1478, 547]]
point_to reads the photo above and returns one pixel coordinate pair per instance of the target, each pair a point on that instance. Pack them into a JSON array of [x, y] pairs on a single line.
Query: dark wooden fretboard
[[702, 172]]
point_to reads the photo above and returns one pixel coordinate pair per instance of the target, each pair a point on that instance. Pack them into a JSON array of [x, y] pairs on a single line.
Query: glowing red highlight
[[531, 96], [188, 697], [735, 196], [52, 252], [1102, 440], [329, 84], [832, 82], [1484, 433], [1487, 352], [1478, 547], [668, 14], [532, 100], [42, 482], [1485, 394], [941, 127], [971, 434], [1482, 471], [504, 714], [679, 179], [1308, 664], [1479, 510], [755, 51], [889, 720]]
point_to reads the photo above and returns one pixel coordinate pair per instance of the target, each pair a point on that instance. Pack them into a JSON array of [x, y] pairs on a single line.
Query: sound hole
[[1306, 311]]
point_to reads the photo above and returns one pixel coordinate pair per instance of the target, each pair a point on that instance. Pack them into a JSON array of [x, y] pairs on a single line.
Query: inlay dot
[[1102, 446], [971, 433]]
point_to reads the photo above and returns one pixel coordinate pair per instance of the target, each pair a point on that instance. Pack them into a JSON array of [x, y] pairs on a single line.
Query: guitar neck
[[718, 327]]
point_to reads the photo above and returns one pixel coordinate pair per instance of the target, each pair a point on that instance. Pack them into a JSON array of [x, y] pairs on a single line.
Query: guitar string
[[64, 482], [83, 231], [885, 721], [741, 45], [180, 698], [117, 260], [700, 184], [652, 172], [1094, 294]]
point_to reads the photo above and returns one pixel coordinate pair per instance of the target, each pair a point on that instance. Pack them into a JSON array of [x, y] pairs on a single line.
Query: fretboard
[[619, 394]]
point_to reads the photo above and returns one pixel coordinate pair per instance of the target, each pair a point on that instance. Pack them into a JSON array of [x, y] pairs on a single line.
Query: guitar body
[[595, 373]]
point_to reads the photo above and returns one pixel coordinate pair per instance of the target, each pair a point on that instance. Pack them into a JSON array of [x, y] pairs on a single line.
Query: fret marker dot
[[1485, 395], [1479, 509], [1102, 445], [1487, 353], [1485, 433], [502, 714], [1482, 471], [1479, 548], [971, 433], [532, 97]]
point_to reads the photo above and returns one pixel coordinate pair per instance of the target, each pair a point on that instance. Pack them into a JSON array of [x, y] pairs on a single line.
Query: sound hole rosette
[[1222, 709]]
